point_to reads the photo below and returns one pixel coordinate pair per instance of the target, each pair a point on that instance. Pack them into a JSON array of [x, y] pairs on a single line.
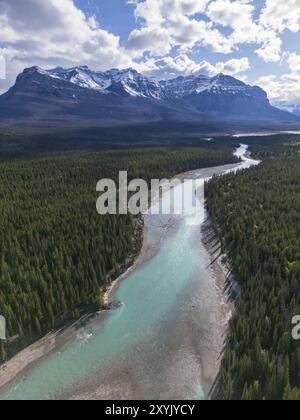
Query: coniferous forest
[[256, 214], [57, 254]]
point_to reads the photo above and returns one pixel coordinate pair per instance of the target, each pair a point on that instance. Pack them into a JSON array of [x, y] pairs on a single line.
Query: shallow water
[[161, 342]]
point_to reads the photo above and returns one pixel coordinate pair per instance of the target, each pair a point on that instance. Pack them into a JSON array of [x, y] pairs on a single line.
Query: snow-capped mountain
[[130, 82], [126, 95]]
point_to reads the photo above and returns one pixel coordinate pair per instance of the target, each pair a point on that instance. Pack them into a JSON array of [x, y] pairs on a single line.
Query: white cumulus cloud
[[51, 32], [281, 14], [173, 24], [169, 67], [283, 91]]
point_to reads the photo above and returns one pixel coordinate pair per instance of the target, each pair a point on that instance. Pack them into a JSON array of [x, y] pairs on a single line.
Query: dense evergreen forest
[[257, 217], [28, 139], [57, 254]]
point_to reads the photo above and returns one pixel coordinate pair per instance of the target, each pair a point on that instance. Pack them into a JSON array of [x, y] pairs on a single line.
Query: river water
[[165, 340]]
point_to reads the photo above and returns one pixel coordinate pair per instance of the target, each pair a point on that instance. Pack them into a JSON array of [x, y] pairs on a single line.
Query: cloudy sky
[[257, 41]]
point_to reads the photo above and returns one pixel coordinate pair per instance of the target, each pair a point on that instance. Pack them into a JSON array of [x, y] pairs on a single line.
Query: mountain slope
[[128, 96], [296, 110]]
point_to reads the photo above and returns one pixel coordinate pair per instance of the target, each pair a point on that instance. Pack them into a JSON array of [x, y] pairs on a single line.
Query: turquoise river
[[164, 342]]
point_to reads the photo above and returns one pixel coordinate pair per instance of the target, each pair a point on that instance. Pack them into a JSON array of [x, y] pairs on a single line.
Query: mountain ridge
[[126, 95]]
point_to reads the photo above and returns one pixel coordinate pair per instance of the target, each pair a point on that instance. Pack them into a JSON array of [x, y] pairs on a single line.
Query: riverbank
[[128, 267], [220, 264], [228, 290], [18, 366]]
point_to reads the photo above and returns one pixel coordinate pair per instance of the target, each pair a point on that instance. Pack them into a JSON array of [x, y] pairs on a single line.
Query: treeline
[[256, 213], [57, 255]]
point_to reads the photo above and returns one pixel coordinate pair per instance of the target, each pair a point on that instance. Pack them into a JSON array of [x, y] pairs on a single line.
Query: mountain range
[[117, 95]]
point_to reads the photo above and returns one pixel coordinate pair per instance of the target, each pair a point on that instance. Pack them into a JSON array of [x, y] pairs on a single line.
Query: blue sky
[[257, 41], [116, 16]]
